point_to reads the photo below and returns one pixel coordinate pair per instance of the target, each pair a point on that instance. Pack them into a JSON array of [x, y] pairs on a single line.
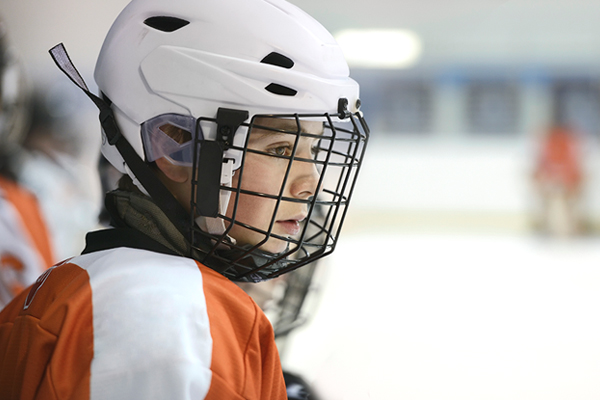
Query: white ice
[[454, 316]]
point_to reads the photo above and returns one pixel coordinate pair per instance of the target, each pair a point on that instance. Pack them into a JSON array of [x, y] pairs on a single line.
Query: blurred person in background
[[59, 165], [559, 181], [26, 249], [229, 136]]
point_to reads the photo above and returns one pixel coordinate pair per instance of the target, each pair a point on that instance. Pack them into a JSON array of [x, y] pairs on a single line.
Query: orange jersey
[[560, 160], [25, 250], [127, 323]]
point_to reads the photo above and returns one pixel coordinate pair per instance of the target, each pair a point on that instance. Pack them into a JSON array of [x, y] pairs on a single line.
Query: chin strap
[[153, 186]]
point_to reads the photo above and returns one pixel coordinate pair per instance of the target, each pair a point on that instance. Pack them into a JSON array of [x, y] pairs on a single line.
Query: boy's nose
[[305, 178]]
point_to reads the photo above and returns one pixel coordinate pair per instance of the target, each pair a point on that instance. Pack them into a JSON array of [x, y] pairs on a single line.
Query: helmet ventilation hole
[[166, 24], [282, 90], [278, 60]]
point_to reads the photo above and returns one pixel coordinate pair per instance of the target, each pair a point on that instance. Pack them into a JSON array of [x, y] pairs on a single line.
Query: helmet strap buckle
[[228, 122]]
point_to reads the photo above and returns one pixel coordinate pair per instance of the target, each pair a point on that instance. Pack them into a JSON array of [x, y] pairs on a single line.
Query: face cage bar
[[325, 216]]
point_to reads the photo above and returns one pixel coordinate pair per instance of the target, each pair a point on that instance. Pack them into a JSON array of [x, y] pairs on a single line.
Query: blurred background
[[469, 267]]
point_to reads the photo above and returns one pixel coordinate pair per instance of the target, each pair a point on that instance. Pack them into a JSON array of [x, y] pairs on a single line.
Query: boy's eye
[[281, 150]]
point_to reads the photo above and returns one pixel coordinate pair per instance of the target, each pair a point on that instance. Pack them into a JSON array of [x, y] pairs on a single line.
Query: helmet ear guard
[[160, 143]]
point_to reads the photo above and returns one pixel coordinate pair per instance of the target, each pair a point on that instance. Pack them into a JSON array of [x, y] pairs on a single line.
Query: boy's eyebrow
[[287, 126]]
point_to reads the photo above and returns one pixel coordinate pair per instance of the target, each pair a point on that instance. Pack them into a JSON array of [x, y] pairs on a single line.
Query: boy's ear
[[176, 173]]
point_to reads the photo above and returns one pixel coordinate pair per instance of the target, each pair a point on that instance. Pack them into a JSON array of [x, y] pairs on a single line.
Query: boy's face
[[265, 174]]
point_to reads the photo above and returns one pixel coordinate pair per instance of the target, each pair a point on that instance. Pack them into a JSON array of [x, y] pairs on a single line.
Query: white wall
[[488, 178]]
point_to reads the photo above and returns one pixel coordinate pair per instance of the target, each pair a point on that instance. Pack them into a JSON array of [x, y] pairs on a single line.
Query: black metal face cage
[[341, 147]]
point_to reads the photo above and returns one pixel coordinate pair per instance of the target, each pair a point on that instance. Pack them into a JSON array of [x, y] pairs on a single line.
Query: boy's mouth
[[292, 226]]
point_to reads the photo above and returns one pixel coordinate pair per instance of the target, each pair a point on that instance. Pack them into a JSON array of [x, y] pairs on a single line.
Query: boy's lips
[[289, 227], [292, 226]]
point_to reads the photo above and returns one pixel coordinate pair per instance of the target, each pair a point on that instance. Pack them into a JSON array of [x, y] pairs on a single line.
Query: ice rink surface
[[454, 316]]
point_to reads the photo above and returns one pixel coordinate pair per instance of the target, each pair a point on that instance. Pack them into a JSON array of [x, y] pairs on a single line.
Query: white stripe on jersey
[[151, 329]]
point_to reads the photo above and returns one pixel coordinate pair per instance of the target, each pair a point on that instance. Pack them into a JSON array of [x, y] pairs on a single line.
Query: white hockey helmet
[[191, 57], [215, 68]]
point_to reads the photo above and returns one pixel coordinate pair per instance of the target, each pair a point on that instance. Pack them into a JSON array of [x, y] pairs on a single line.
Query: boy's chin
[[274, 246]]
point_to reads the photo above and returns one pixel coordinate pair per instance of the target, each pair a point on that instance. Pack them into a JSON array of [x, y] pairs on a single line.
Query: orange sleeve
[[245, 360], [29, 211], [46, 349]]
